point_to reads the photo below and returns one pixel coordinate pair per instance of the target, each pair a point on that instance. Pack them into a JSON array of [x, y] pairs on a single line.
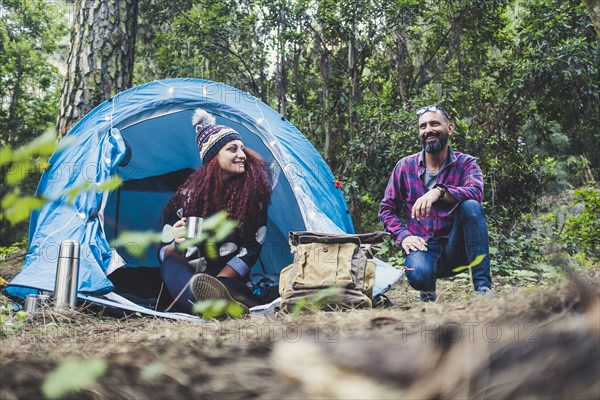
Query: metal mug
[[34, 302], [193, 227]]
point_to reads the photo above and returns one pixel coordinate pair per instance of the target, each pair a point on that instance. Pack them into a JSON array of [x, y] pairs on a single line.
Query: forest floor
[[527, 342]]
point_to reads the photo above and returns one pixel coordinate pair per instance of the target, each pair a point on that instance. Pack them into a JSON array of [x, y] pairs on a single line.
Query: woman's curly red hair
[[204, 193]]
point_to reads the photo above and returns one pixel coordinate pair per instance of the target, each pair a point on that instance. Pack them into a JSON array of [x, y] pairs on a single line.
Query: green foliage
[[470, 267], [508, 173], [219, 225], [391, 253], [368, 164], [23, 160], [135, 242], [578, 171], [17, 208], [210, 309], [21, 164], [29, 84], [553, 78], [582, 231], [473, 264], [29, 89], [11, 250], [72, 376], [11, 321], [220, 40], [516, 250], [318, 301], [534, 249], [112, 183], [214, 230]]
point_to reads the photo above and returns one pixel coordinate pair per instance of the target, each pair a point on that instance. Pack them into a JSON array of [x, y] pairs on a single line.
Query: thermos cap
[[69, 249]]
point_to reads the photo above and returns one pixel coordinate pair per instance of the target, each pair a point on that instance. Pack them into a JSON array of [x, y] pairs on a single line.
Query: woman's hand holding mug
[[179, 230]]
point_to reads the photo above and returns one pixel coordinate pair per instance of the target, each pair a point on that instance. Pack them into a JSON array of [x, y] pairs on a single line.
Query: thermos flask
[[67, 275]]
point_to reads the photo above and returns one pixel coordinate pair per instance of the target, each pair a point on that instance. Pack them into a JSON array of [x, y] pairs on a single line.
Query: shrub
[[582, 231]]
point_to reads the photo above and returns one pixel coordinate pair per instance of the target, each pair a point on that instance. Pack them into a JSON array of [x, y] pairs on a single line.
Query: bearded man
[[438, 193]]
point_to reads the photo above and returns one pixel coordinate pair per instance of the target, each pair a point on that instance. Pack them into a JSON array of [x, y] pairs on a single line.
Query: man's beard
[[435, 146]]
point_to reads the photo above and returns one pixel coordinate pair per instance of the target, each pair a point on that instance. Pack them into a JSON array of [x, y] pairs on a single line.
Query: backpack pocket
[[323, 265]]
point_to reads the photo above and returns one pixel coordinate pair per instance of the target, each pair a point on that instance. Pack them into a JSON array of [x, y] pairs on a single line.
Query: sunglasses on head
[[432, 108]]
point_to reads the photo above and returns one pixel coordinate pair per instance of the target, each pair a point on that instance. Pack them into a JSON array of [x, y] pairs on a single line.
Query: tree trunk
[[298, 81], [352, 80], [13, 119], [100, 61], [325, 72], [281, 84], [352, 101], [593, 7], [401, 52]]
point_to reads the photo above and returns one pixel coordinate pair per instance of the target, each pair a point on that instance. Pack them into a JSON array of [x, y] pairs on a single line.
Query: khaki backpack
[[332, 271]]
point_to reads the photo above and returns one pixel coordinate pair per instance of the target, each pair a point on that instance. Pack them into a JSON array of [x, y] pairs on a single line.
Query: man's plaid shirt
[[460, 175]]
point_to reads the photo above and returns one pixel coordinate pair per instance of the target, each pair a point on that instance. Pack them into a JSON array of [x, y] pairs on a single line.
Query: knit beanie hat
[[209, 136]]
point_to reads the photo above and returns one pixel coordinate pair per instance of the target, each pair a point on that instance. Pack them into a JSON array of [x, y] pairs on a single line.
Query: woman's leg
[[177, 274], [239, 291]]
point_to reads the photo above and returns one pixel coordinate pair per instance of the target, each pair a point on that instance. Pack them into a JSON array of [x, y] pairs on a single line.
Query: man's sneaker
[[427, 296], [206, 287], [485, 291]]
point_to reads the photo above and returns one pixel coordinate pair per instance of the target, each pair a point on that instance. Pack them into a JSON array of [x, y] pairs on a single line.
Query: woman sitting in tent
[[236, 180]]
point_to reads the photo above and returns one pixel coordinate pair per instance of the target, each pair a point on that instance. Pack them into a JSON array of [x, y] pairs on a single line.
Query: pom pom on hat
[[209, 136], [201, 117]]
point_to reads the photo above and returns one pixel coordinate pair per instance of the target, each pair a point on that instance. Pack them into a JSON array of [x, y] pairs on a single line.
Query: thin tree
[[593, 7]]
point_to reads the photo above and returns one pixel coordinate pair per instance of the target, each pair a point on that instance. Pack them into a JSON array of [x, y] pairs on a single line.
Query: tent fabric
[[114, 301], [144, 136]]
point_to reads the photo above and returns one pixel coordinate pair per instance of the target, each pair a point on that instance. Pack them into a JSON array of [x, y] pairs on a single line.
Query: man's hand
[[422, 206], [413, 243]]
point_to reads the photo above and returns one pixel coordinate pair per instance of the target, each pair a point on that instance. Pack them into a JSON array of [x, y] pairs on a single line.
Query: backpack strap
[[303, 237]]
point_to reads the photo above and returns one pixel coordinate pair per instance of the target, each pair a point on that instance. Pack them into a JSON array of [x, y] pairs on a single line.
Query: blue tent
[[144, 135]]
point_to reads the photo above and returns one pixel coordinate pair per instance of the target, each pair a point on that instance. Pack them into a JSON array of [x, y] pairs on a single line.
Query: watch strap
[[442, 189]]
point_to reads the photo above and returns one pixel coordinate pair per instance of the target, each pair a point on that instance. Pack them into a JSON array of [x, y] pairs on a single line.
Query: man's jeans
[[468, 239]]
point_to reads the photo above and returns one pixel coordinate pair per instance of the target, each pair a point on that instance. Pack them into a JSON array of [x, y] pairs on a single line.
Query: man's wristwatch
[[443, 190]]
